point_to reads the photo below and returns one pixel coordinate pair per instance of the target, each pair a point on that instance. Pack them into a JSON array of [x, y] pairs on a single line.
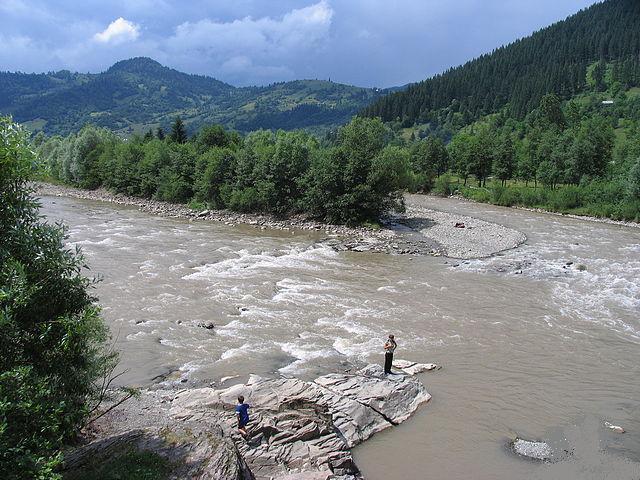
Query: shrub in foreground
[[51, 336]]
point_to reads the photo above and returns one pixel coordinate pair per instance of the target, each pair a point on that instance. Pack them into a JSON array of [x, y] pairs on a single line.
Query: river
[[529, 345]]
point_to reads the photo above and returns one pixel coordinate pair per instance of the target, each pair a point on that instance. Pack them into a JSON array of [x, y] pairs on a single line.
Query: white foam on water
[[301, 292], [309, 258], [170, 298], [603, 294], [104, 242], [134, 336], [303, 353], [246, 349], [350, 348], [234, 329], [347, 325], [387, 288], [121, 235], [190, 367], [606, 293], [171, 343], [148, 268]]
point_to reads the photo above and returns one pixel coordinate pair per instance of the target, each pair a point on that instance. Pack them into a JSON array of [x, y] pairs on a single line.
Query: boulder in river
[[531, 449], [614, 428], [413, 368]]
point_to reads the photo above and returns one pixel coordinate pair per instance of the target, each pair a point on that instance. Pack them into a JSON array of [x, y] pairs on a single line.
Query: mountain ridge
[[137, 94]]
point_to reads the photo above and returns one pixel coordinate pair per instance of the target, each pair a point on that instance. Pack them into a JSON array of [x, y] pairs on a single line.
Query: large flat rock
[[395, 397], [299, 430]]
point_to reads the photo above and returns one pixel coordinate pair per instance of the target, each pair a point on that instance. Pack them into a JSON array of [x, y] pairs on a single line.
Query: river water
[[529, 345]]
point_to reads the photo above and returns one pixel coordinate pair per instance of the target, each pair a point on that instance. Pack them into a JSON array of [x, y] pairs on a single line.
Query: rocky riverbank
[[298, 430], [420, 231]]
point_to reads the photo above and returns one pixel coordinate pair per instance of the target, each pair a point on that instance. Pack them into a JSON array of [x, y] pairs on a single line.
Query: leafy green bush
[[419, 182], [565, 198], [481, 195], [629, 210], [633, 185], [532, 197], [443, 185], [172, 187], [51, 336], [245, 200], [507, 197]]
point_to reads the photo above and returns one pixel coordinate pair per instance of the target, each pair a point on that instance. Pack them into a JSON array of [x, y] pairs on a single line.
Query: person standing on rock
[[242, 412], [389, 347]]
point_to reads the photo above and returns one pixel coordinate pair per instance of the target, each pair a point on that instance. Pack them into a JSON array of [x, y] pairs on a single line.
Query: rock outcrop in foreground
[[298, 431]]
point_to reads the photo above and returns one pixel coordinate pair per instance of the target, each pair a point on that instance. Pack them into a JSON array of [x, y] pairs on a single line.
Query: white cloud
[[118, 31], [258, 47]]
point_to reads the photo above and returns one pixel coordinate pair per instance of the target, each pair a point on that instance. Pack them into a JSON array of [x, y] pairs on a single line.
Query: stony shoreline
[[420, 231]]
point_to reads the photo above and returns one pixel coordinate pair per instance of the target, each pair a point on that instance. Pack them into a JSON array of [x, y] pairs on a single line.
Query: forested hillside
[[598, 44], [138, 94]]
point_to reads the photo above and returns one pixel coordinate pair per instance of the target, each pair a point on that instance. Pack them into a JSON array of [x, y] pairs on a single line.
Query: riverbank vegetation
[[580, 156], [52, 340], [356, 178]]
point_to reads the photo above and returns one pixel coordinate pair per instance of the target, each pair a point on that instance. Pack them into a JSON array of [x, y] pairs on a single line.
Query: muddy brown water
[[529, 345]]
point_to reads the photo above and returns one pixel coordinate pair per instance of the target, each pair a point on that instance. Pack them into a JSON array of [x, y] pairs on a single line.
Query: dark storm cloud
[[364, 42]]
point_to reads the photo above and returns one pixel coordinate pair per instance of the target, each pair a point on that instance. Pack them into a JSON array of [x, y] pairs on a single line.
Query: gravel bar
[[420, 231]]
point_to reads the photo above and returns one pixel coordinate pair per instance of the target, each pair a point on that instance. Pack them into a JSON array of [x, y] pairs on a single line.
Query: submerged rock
[[614, 428], [413, 368], [531, 449]]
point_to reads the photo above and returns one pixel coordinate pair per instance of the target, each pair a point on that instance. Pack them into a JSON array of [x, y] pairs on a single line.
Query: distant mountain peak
[[136, 65]]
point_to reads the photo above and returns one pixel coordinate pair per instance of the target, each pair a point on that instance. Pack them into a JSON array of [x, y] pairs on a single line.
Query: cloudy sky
[[246, 42]]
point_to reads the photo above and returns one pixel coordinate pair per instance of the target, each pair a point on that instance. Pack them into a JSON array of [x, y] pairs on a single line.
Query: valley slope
[[135, 95]]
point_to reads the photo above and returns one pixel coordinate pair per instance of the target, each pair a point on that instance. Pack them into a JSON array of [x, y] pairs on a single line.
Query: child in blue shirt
[[242, 412]]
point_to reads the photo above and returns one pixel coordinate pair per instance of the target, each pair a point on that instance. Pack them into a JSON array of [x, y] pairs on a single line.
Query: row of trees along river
[[580, 156]]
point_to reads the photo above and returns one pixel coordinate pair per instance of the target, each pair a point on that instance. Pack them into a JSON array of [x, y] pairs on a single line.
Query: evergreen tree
[[148, 136], [160, 133], [178, 132]]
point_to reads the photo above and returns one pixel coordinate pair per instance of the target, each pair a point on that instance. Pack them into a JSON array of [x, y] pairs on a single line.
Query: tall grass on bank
[[597, 198]]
